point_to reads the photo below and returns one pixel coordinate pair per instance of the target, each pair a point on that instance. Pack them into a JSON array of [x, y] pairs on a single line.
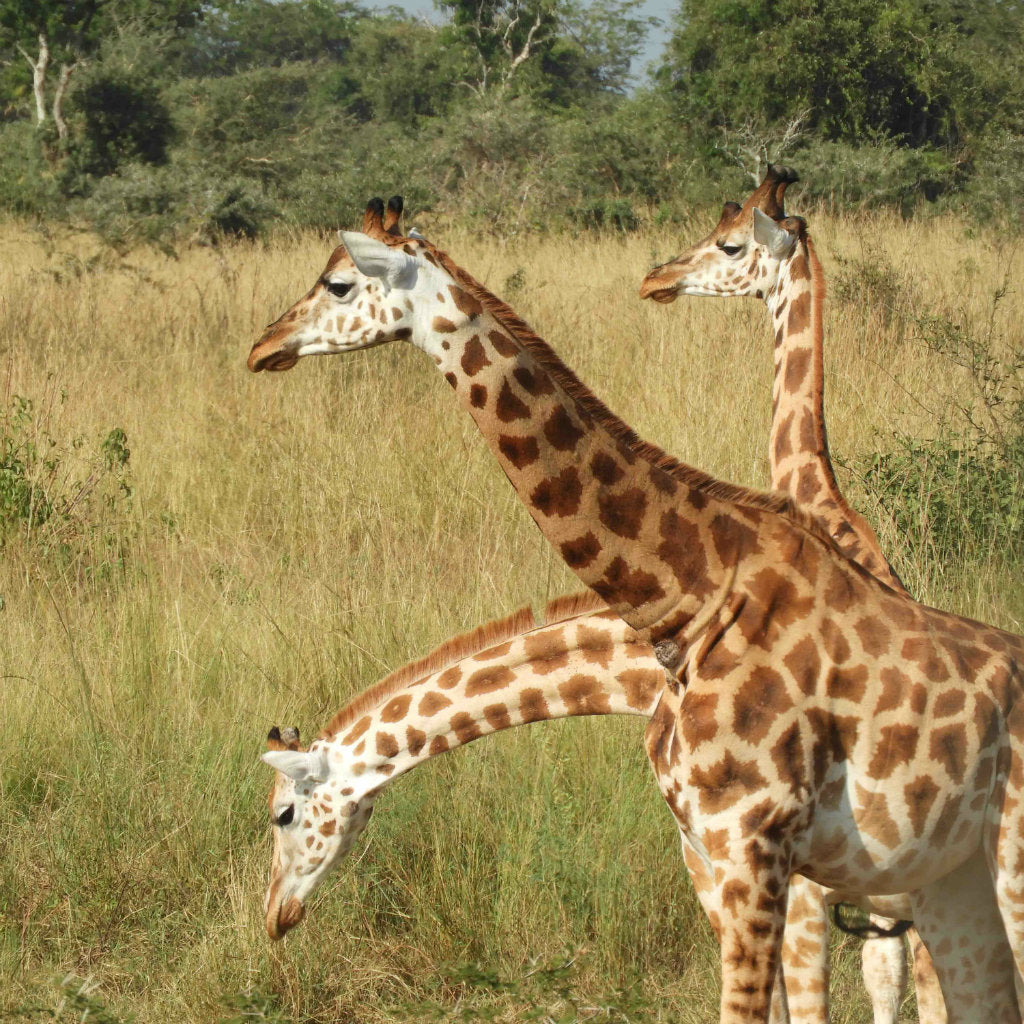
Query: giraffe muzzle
[[267, 354], [653, 288], [283, 918]]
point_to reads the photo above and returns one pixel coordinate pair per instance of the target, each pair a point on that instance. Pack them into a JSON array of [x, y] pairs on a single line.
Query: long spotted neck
[[645, 539], [798, 444], [592, 664]]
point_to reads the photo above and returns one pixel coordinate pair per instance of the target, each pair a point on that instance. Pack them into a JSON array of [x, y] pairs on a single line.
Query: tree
[[557, 50], [66, 33], [860, 66]]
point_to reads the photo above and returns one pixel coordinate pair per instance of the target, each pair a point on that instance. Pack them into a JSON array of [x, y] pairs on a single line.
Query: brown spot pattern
[[466, 303], [357, 730], [583, 695], [605, 469], [558, 495], [563, 435], [533, 382], [474, 357], [726, 782], [579, 553], [623, 512], [520, 451], [415, 740], [387, 745], [633, 587], [396, 709], [487, 680], [503, 344], [478, 396], [432, 703], [532, 706], [509, 406]]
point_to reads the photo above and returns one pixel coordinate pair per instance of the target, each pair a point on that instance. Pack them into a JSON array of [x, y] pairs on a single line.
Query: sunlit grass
[[290, 539]]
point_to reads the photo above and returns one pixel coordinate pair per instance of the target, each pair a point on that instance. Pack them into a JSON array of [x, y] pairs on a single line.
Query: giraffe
[[581, 660], [738, 259], [832, 727]]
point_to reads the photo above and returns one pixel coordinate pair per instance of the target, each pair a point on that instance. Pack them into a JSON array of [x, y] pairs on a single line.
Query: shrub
[[960, 494], [61, 494]]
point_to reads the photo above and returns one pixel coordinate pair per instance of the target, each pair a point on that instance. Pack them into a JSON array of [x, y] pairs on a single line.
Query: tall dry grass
[[291, 538]]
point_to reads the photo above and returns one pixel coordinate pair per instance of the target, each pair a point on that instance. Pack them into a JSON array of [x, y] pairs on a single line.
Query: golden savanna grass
[[292, 538]]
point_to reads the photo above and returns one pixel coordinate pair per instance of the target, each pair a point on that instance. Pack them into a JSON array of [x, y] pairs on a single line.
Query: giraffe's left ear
[[375, 259], [778, 240]]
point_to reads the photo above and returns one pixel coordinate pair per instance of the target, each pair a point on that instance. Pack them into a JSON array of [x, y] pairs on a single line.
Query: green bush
[[960, 494], [876, 173], [60, 493]]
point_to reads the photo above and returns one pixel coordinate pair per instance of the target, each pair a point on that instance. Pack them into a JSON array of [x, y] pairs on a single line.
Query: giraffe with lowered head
[[746, 255], [832, 727]]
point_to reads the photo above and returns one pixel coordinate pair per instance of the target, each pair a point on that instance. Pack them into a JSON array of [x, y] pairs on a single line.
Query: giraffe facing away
[[746, 256], [832, 727]]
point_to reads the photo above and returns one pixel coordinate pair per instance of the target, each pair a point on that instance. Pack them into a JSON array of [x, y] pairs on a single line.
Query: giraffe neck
[[592, 664], [798, 443], [636, 527]]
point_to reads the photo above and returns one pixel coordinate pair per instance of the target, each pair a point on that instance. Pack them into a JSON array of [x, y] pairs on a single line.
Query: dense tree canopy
[[184, 117]]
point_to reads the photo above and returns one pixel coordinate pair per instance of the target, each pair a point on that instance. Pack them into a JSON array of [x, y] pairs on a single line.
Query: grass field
[[289, 539]]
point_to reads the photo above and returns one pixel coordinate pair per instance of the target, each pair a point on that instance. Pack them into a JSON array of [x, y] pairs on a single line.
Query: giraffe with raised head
[[746, 256], [831, 727]]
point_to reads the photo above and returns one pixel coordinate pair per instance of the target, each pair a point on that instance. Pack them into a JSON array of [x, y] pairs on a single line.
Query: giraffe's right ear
[[375, 259], [300, 765], [777, 239]]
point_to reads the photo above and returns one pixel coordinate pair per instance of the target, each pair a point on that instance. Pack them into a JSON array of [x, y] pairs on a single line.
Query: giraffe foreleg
[[751, 888], [958, 919]]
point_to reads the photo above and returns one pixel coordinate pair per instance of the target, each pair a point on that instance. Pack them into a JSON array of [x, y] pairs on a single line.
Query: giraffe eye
[[285, 817], [729, 250], [339, 289]]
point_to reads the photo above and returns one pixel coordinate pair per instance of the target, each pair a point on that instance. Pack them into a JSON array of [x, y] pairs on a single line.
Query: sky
[[656, 37]]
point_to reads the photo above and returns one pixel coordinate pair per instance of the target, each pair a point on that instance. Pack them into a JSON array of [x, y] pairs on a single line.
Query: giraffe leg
[[959, 921], [809, 966], [931, 1008], [883, 964], [805, 964], [1006, 846], [751, 887]]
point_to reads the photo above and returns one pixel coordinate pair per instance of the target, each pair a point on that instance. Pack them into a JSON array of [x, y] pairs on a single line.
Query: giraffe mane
[[569, 606], [452, 650], [552, 363]]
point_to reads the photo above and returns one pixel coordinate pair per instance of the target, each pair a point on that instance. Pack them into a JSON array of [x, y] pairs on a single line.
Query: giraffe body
[[828, 726], [756, 250]]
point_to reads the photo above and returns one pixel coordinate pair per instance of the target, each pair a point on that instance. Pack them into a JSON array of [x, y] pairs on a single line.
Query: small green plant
[[76, 1003], [252, 1007], [876, 287], [60, 493]]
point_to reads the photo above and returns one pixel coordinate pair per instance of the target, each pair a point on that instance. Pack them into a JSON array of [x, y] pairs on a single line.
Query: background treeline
[[178, 120]]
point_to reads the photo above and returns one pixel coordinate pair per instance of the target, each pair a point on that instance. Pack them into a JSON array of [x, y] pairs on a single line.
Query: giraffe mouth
[[267, 354], [281, 919], [652, 288]]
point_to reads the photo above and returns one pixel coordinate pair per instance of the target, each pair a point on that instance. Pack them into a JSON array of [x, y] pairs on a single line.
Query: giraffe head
[[318, 808], [742, 256], [363, 297]]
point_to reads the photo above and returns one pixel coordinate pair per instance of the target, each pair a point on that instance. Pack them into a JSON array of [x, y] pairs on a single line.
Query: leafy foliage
[[960, 494], [58, 493]]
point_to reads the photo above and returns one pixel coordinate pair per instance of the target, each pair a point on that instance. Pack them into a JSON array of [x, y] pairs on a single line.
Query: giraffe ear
[[300, 765], [778, 240], [375, 259]]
